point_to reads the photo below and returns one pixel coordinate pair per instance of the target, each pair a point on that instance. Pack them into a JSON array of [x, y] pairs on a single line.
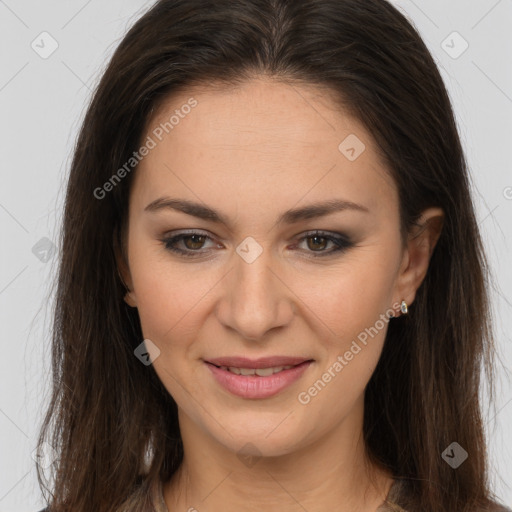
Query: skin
[[252, 153]]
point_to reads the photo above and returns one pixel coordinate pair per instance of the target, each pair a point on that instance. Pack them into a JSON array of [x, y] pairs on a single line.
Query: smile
[[257, 383], [262, 372]]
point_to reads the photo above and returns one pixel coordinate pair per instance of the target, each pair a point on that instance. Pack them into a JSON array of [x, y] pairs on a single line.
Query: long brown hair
[[111, 421]]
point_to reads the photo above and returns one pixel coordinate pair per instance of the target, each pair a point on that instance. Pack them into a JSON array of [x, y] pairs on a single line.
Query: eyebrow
[[201, 211]]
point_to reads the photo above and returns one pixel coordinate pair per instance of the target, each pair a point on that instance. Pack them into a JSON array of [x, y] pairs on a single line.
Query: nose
[[255, 299]]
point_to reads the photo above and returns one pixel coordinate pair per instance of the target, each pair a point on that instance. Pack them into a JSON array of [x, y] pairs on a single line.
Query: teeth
[[261, 372], [247, 371], [265, 372]]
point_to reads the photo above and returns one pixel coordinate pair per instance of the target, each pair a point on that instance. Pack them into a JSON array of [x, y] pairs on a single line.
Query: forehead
[[260, 111], [288, 138]]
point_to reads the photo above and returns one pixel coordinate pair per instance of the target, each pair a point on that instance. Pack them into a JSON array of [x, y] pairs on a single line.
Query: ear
[[417, 253], [123, 270]]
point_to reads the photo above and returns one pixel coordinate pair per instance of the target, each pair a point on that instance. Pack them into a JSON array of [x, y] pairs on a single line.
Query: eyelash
[[341, 243]]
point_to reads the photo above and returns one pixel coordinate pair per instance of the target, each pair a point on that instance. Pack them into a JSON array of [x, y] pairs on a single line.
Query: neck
[[332, 472]]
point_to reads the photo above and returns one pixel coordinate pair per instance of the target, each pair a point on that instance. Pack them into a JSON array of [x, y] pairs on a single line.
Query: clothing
[[395, 496], [392, 503]]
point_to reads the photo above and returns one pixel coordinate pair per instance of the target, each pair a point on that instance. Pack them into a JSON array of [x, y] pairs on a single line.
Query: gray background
[[42, 101]]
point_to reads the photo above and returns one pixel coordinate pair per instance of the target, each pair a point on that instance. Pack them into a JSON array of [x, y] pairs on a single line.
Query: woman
[[272, 292]]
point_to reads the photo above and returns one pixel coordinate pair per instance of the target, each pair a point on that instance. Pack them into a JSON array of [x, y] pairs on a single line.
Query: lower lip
[[254, 386]]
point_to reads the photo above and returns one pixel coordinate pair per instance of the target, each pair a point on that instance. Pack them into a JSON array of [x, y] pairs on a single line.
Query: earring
[[403, 308]]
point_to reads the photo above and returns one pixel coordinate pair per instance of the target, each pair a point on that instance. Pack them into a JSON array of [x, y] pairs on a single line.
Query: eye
[[318, 241], [192, 243]]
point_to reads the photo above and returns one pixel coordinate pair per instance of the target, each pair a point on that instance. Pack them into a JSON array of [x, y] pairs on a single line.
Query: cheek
[[351, 348], [167, 304], [171, 306], [168, 295], [350, 307], [348, 299]]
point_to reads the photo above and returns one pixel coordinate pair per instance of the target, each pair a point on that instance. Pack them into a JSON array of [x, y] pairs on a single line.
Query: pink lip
[[254, 386], [262, 362]]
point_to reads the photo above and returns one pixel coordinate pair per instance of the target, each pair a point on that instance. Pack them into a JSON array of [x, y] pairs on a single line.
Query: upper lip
[[263, 362]]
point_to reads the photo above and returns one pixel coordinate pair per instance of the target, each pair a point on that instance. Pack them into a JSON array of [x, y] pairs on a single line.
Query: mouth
[[257, 379], [263, 363], [260, 372]]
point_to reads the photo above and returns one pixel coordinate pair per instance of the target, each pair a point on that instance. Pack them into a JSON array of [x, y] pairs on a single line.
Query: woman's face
[[253, 173]]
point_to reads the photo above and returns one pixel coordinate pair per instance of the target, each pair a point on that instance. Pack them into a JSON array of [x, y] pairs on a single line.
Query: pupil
[[195, 240], [316, 239]]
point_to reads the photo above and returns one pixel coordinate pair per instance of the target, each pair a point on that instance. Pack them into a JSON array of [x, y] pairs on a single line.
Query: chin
[[258, 439]]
